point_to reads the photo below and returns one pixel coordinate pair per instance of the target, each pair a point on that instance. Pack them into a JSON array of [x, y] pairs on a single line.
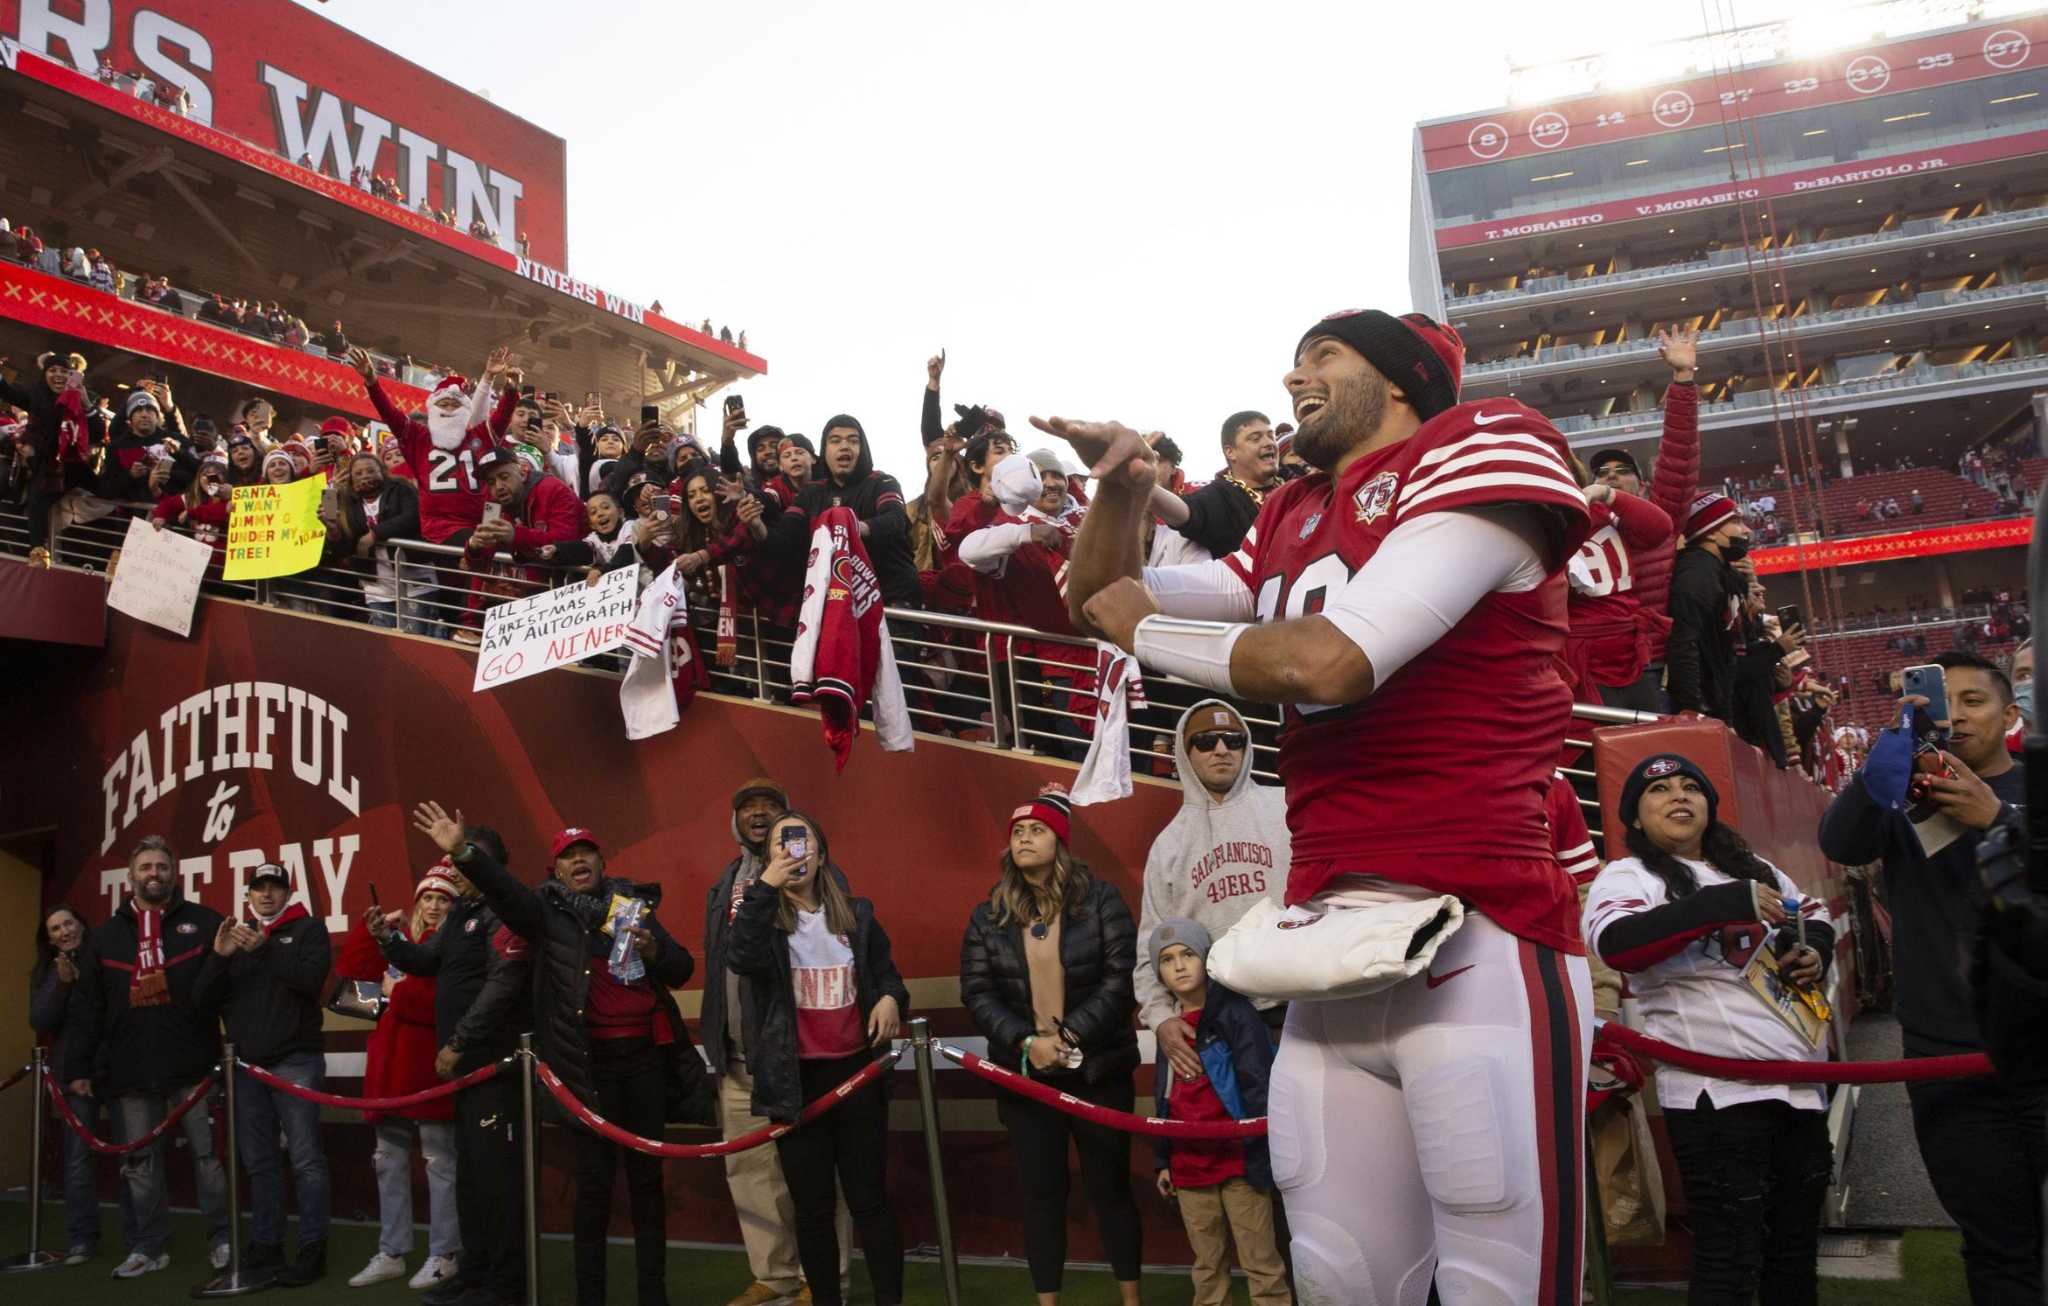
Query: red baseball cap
[[575, 834]]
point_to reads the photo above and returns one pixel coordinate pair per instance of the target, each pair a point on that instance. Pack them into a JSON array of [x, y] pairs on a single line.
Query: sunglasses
[[1208, 740]]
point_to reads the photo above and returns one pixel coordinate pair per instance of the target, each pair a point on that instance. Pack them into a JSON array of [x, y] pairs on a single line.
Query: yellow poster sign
[[275, 530]]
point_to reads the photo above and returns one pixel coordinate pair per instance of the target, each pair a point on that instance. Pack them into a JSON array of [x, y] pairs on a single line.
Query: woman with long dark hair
[[1045, 972], [712, 535], [1725, 957], [823, 995], [60, 939]]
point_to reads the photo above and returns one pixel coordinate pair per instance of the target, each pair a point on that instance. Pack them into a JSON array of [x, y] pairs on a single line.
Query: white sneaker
[[219, 1256], [382, 1266], [138, 1265], [437, 1270]]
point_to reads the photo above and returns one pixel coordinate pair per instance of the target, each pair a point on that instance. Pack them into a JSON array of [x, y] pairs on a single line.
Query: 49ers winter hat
[[1656, 767], [1423, 357], [572, 836], [1052, 807], [1708, 512], [1179, 929]]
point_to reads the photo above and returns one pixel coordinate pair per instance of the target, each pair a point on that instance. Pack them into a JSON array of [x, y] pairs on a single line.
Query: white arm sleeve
[[1200, 591], [988, 548], [1427, 574]]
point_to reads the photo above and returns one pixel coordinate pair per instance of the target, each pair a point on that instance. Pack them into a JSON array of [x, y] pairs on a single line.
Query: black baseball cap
[[1606, 456], [270, 871]]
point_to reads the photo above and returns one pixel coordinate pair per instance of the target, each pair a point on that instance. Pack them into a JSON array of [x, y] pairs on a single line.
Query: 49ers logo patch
[[1375, 497]]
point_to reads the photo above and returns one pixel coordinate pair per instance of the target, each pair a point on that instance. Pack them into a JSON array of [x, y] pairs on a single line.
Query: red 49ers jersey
[[1439, 777]]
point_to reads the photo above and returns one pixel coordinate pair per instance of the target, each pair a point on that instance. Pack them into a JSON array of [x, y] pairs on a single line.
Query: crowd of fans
[[1664, 615]]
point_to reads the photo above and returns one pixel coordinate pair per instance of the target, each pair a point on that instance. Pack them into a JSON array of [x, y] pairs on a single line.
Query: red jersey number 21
[[441, 465]]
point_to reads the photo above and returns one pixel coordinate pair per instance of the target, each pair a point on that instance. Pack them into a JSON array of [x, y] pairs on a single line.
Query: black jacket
[[1231, 1038], [713, 1021], [49, 1006], [398, 515], [269, 999], [1700, 656], [144, 1049], [759, 954], [1754, 709], [1098, 951], [458, 957], [875, 498], [1219, 515], [564, 931]]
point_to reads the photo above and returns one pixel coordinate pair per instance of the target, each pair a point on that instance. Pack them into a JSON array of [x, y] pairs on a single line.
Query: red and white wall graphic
[[1914, 64], [278, 75]]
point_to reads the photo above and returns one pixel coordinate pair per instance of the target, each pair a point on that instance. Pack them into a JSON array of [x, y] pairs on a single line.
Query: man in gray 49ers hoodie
[[1226, 849]]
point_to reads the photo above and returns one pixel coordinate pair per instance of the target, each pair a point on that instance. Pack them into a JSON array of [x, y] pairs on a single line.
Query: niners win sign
[[286, 79]]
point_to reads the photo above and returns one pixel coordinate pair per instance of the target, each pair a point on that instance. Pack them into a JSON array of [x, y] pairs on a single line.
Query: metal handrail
[[958, 685]]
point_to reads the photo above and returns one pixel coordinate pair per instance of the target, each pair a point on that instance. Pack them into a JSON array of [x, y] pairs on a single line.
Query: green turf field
[[1934, 1276]]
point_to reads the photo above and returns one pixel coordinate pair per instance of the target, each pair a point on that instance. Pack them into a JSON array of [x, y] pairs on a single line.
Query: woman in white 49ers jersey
[[1397, 600]]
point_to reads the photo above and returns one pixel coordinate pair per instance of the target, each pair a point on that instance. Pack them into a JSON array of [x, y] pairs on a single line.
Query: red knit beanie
[[1050, 806], [1709, 511]]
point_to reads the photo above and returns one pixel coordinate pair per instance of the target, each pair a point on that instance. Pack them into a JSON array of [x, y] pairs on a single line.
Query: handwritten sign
[[275, 530], [158, 579], [526, 637]]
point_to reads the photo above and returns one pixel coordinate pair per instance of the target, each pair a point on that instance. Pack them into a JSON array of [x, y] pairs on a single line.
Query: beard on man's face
[[1355, 410]]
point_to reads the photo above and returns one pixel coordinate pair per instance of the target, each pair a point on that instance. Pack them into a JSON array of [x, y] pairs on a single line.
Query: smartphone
[[1790, 616], [796, 842], [373, 898], [493, 513], [735, 404], [1931, 683], [589, 398], [650, 413]]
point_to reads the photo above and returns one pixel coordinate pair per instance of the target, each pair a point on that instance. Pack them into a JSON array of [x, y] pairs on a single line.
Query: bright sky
[[1125, 210]]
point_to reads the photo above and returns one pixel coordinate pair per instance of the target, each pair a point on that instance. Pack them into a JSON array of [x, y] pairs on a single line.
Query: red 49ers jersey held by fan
[[1438, 778]]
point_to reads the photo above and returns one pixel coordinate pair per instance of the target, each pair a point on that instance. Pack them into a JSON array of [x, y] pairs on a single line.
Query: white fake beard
[[447, 429]]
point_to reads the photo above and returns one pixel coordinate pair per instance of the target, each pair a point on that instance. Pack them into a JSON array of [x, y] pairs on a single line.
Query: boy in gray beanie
[[1225, 1187]]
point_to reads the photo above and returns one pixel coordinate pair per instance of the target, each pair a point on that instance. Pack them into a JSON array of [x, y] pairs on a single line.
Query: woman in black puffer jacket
[[1045, 971], [618, 1044]]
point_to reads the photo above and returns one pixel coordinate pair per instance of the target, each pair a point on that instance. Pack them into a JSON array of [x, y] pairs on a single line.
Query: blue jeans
[[148, 1224], [81, 1182], [384, 616], [263, 1111]]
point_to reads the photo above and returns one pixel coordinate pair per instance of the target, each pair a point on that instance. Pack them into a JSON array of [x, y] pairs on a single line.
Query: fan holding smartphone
[[821, 994]]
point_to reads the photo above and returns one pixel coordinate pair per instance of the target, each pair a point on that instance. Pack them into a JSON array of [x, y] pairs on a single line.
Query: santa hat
[[1708, 513], [453, 384], [1424, 358], [1052, 807]]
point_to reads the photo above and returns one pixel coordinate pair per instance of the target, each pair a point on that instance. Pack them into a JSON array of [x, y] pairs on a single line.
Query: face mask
[[2023, 694], [1735, 550]]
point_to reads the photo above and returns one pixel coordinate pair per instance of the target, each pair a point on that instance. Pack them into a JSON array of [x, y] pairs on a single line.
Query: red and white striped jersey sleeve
[[1492, 452], [1568, 836]]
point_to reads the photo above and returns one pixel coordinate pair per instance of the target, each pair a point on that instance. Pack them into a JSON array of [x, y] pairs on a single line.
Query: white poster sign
[[158, 579], [553, 629]]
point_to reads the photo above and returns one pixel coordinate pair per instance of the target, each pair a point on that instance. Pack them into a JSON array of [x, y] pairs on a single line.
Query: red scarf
[[147, 987], [292, 911]]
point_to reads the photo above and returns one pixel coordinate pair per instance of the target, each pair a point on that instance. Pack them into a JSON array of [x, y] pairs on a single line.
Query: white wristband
[[1195, 651]]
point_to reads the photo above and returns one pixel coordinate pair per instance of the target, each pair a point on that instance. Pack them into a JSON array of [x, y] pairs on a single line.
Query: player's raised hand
[[1115, 454]]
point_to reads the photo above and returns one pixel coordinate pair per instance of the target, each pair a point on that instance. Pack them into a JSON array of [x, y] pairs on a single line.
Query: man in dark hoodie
[[849, 480], [1706, 609], [760, 1196], [473, 1032], [144, 1038], [267, 976]]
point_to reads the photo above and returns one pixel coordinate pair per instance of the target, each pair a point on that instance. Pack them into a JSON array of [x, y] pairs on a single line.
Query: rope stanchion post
[[230, 1282], [529, 1168], [942, 1211], [35, 1258]]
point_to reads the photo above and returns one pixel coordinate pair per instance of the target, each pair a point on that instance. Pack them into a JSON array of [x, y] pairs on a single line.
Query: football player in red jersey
[[1406, 601]]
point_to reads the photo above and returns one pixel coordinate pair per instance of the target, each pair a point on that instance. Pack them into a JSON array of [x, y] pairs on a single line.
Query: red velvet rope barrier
[[421, 1098], [1102, 1115], [16, 1077], [105, 1148], [604, 1128], [1912, 1070]]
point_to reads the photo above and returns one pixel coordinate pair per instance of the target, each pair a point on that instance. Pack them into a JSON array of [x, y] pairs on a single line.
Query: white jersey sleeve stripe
[[1541, 489], [1492, 439], [1463, 465]]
